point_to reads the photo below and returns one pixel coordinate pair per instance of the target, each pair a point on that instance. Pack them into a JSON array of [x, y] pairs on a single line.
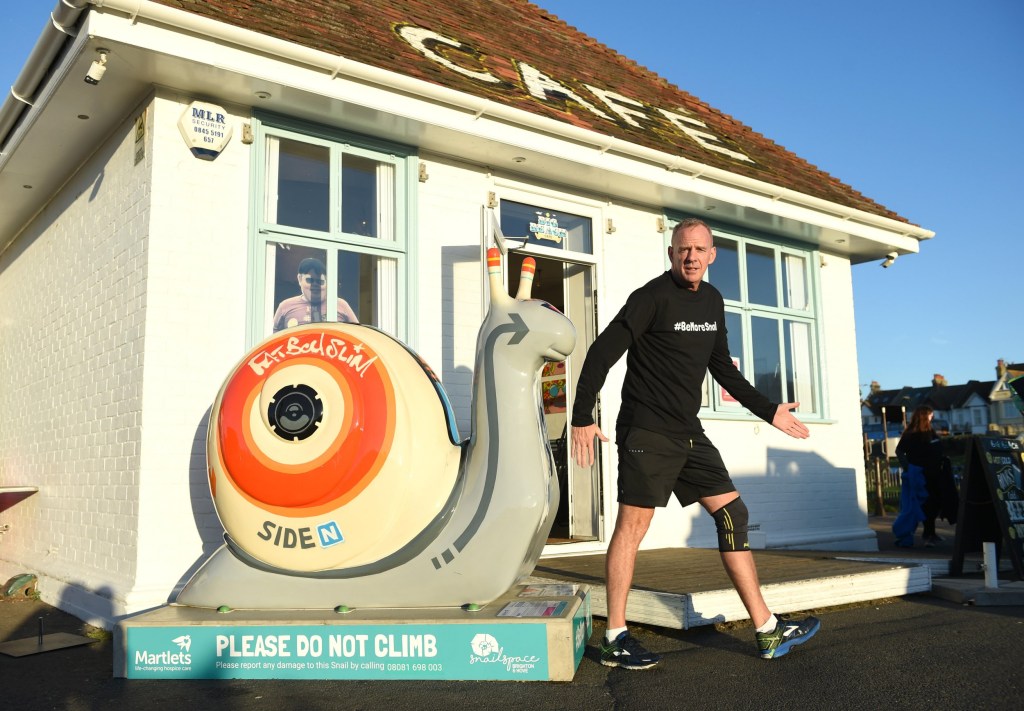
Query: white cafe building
[[165, 165]]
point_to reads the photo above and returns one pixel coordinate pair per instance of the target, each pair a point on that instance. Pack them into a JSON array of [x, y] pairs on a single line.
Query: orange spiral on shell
[[344, 452]]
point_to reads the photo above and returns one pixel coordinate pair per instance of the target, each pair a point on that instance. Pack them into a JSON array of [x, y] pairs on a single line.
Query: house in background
[[972, 408], [166, 165], [885, 414], [964, 407], [1005, 414]]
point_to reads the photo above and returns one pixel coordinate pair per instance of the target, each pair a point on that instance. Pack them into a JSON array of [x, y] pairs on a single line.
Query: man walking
[[673, 329]]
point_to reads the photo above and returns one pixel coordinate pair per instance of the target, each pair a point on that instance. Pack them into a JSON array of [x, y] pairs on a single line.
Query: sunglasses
[[310, 280]]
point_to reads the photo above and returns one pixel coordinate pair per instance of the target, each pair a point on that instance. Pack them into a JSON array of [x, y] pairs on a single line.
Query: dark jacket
[[924, 449]]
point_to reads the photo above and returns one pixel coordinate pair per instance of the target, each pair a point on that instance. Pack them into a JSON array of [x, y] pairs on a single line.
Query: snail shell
[[330, 434]]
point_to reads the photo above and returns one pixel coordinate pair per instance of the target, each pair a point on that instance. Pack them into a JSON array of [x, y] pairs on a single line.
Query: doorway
[[569, 287]]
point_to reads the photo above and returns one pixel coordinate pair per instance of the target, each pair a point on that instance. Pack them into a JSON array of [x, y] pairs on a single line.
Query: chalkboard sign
[[991, 501]]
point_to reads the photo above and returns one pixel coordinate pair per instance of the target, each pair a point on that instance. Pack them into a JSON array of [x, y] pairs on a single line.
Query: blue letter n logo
[[329, 534]]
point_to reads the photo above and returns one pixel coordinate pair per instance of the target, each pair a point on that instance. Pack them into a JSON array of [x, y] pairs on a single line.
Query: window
[[770, 319], [546, 228], [332, 225]]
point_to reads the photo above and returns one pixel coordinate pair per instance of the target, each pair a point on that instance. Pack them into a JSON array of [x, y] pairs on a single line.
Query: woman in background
[[920, 454]]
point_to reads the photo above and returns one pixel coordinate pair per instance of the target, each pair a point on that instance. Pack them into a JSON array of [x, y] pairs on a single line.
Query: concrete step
[[972, 591]]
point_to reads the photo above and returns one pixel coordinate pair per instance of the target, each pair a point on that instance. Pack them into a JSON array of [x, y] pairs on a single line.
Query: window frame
[[713, 405], [402, 248]]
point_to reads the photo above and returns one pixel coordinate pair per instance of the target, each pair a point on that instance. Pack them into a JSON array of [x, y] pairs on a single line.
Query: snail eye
[[549, 306], [295, 412]]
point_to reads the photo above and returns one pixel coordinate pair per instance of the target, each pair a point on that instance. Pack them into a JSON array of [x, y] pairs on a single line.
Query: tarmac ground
[[909, 652]]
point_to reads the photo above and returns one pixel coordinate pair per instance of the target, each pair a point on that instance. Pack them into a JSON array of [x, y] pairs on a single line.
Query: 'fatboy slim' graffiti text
[[314, 344]]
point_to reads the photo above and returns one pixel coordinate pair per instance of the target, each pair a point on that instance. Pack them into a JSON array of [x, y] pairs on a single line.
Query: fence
[[883, 476], [883, 484]]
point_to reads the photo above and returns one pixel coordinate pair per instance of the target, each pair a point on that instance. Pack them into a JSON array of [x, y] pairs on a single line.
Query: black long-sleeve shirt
[[921, 448], [672, 335]]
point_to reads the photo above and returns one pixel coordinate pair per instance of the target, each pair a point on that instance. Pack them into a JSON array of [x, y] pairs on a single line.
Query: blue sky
[[917, 104]]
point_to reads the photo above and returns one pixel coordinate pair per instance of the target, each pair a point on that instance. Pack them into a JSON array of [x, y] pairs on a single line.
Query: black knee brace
[[731, 521]]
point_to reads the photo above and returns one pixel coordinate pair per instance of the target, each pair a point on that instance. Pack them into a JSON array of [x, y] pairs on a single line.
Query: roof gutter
[[68, 12], [51, 41]]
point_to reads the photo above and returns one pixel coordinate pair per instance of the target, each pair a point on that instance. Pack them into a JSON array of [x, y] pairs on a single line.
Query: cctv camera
[[97, 69], [890, 258], [893, 255], [96, 72]]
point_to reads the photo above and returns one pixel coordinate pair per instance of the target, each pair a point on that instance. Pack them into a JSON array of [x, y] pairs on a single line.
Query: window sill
[[748, 417]]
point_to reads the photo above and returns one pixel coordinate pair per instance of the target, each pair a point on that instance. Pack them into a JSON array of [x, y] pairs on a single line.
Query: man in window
[[673, 329], [310, 306]]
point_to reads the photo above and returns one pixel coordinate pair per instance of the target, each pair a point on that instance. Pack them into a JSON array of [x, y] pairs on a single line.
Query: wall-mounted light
[[98, 68], [890, 259]]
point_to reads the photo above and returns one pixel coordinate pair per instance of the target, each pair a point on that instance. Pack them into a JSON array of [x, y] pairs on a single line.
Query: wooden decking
[[686, 587], [700, 570]]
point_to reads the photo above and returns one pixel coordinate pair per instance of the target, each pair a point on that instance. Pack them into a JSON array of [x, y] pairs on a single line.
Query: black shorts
[[652, 467]]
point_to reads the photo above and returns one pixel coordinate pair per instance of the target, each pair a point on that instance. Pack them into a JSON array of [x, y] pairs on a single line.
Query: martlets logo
[[694, 326], [167, 660]]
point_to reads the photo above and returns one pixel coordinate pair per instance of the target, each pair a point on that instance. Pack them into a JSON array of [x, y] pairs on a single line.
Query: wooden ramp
[[687, 587]]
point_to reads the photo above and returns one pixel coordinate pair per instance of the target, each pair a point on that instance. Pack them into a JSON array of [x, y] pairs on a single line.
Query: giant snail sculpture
[[336, 472]]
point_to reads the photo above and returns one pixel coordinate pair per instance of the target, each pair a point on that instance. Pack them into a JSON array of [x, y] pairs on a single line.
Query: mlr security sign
[[205, 129]]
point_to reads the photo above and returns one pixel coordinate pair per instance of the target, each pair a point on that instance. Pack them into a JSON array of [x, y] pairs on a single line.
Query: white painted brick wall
[[195, 334], [450, 274], [147, 319], [73, 286]]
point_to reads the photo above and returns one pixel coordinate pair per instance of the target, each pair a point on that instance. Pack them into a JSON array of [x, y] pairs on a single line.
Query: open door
[[569, 287]]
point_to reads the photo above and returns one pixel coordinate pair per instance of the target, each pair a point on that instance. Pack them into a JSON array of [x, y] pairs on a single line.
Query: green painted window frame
[[713, 406], [402, 248]]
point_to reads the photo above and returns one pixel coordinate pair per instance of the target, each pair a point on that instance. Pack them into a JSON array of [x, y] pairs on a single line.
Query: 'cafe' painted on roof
[[635, 113]]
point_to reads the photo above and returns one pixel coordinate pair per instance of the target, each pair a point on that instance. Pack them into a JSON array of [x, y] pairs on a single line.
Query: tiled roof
[[508, 39], [906, 397], [939, 397]]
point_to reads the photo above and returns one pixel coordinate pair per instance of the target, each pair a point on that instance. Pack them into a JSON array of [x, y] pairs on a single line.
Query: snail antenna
[[494, 275], [529, 268]]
